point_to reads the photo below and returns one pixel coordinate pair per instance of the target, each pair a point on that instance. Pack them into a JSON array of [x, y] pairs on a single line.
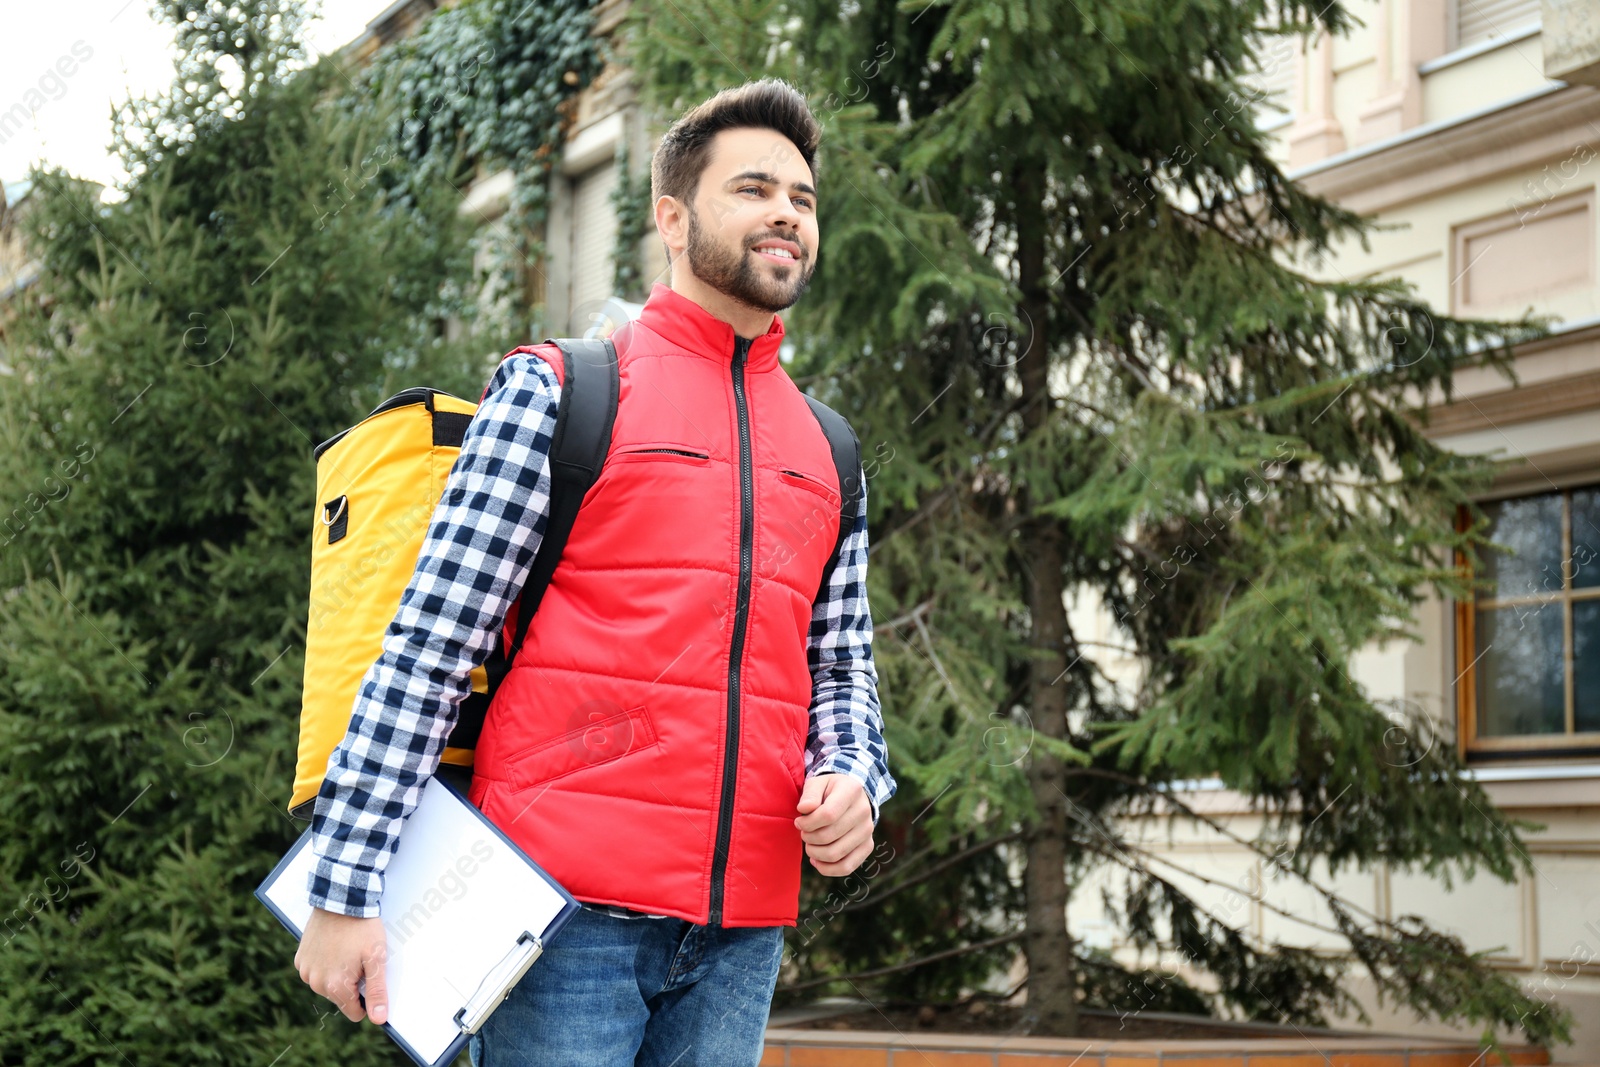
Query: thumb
[[377, 991], [811, 795]]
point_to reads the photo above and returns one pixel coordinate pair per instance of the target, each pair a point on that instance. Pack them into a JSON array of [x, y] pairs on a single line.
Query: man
[[695, 701]]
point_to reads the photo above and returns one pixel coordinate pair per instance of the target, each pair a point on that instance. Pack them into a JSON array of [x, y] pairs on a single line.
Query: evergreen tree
[[1080, 321], [254, 293]]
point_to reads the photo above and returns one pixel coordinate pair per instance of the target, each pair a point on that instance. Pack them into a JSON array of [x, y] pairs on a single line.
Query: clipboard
[[466, 913]]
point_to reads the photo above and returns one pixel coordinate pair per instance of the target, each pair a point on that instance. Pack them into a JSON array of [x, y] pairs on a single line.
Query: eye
[[799, 200]]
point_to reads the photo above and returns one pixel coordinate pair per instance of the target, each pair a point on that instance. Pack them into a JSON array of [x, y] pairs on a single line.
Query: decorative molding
[[1522, 403], [592, 145], [1472, 51], [488, 197], [1541, 241], [1545, 124], [1317, 134]]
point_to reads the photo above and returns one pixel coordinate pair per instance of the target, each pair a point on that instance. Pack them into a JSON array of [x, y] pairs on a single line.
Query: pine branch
[[873, 900], [899, 968]]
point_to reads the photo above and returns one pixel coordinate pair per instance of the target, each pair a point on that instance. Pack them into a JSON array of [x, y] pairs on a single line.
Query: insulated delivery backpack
[[378, 484]]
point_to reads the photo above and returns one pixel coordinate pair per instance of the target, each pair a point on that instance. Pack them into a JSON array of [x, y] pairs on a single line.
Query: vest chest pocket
[[648, 451], [810, 482], [800, 513]]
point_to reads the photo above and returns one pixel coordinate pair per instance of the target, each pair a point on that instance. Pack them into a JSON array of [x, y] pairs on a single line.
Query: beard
[[739, 274]]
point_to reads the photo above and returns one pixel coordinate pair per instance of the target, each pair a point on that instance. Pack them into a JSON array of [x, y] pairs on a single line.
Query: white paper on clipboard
[[458, 898]]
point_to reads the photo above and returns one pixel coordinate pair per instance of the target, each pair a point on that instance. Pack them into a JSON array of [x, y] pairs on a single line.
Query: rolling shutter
[[594, 239], [1276, 78]]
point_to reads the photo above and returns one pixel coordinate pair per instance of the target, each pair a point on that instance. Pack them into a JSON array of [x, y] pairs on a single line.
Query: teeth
[[777, 252]]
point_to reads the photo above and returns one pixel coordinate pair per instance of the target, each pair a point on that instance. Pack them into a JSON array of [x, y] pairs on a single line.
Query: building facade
[[571, 288], [1472, 128]]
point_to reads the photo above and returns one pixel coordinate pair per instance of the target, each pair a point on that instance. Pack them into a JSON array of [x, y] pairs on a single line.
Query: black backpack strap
[[577, 452], [588, 407], [847, 461]]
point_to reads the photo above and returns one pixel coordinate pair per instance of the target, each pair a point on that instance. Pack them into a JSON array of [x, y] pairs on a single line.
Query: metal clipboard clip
[[497, 984]]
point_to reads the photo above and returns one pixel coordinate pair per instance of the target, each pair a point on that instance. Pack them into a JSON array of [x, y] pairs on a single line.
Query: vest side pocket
[[589, 744]]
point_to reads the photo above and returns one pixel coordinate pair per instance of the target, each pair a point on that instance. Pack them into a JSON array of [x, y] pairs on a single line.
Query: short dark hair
[[771, 103]]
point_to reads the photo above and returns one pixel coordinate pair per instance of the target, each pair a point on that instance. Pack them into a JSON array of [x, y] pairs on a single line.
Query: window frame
[[1569, 744]]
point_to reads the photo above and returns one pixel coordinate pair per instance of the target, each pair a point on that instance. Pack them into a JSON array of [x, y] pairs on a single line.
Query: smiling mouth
[[771, 258]]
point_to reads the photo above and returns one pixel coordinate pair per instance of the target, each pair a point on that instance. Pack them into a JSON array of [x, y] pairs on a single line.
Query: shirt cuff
[[344, 890]]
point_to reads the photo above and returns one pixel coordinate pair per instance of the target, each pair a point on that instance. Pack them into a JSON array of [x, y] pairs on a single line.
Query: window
[[1483, 20], [1528, 646]]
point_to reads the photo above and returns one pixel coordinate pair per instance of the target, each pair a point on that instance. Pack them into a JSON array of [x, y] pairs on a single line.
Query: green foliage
[[180, 355], [910, 886], [1110, 986], [482, 86], [1081, 317], [225, 55], [635, 215]]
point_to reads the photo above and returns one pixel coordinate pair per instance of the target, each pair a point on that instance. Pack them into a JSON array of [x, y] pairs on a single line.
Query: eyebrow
[[771, 179]]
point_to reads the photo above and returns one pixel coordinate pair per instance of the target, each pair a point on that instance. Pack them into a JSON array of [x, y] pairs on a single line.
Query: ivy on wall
[[632, 203], [483, 86]]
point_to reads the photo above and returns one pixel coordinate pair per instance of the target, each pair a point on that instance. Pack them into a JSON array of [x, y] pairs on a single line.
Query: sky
[[113, 49]]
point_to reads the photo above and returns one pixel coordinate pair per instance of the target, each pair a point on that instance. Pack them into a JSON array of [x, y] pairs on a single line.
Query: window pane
[[1531, 528], [1585, 538], [1521, 689], [1586, 665]]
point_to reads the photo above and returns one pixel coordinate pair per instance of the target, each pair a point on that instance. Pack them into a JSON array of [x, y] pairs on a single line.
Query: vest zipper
[[730, 752]]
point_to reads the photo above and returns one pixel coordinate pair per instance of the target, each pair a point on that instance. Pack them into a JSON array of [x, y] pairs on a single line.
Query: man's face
[[756, 190]]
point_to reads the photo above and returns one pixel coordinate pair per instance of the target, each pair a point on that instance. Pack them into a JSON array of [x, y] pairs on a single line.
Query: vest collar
[[670, 314]]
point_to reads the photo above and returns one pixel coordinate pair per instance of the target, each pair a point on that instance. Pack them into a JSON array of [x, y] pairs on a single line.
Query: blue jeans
[[611, 991]]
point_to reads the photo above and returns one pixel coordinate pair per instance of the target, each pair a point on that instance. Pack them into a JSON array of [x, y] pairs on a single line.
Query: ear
[[672, 222]]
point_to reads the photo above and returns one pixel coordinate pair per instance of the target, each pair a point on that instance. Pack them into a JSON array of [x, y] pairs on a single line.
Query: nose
[[784, 213]]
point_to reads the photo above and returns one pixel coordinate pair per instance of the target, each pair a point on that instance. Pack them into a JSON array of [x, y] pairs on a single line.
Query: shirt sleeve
[[846, 731], [479, 547]]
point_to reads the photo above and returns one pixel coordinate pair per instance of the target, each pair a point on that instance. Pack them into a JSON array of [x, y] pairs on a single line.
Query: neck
[[747, 322]]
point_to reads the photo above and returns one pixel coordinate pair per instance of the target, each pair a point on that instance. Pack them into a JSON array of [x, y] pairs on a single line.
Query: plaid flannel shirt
[[479, 548]]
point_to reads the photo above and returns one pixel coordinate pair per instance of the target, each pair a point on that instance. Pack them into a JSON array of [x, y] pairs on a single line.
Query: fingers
[[855, 841], [848, 861], [340, 987], [336, 953], [831, 833], [832, 808], [349, 1003]]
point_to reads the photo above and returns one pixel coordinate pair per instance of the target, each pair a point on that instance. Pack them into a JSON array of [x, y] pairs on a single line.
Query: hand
[[835, 823], [336, 951]]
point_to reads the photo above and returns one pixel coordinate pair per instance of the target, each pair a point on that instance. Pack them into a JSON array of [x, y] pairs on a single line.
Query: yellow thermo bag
[[377, 486]]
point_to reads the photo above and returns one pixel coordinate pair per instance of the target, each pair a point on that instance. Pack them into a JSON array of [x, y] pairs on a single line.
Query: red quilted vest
[[646, 746]]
